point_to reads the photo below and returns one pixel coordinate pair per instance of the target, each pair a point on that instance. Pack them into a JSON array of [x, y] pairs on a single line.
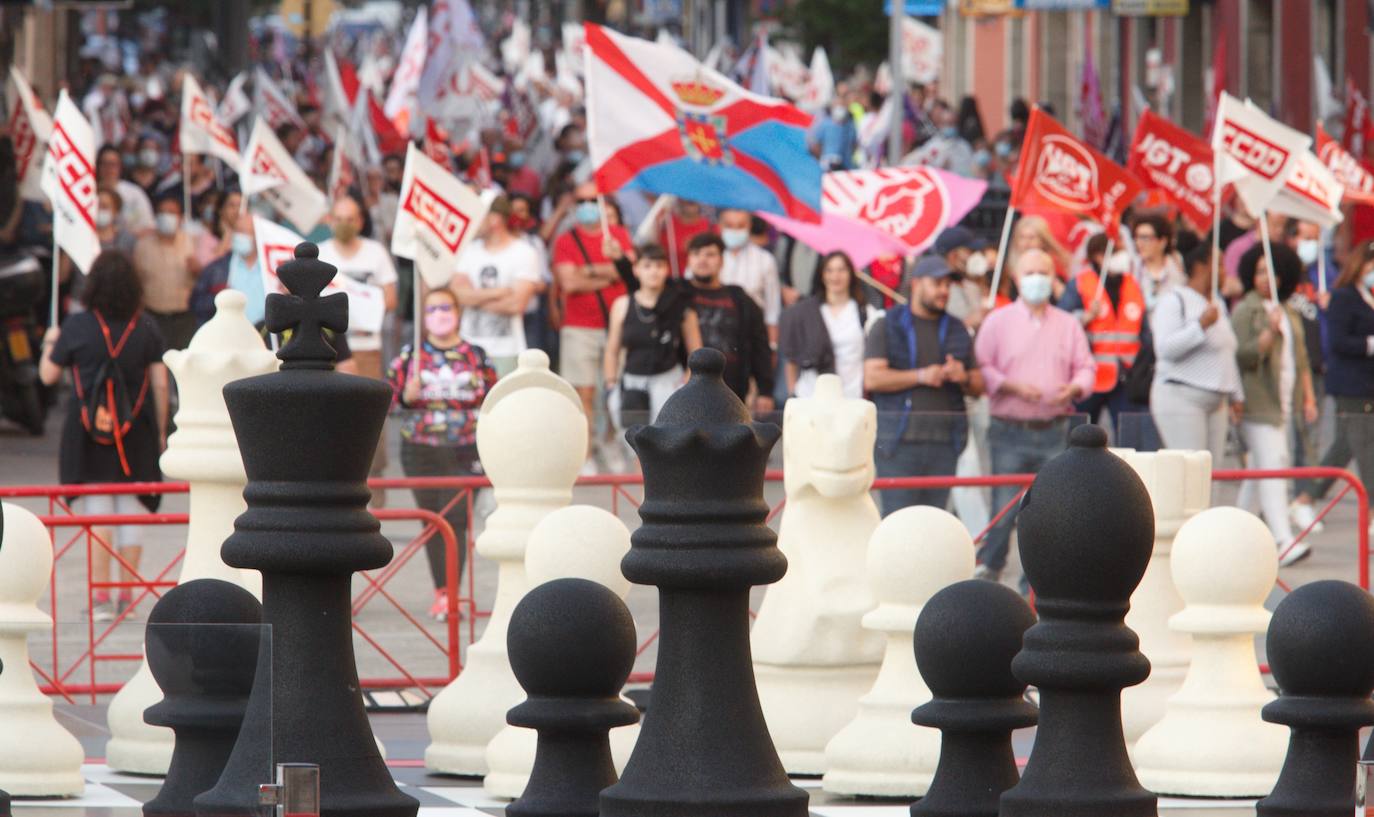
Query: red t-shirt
[[676, 241], [582, 308]]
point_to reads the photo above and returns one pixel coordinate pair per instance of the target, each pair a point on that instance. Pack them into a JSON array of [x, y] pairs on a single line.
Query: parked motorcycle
[[23, 398]]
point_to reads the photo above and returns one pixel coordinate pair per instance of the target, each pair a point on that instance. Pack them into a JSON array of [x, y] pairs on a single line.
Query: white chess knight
[[38, 758], [812, 657], [913, 554], [204, 451], [580, 542], [532, 439], [1212, 741], [1180, 486]]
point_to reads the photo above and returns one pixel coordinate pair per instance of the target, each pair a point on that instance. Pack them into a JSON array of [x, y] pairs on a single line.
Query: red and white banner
[[1172, 160], [437, 217], [1355, 178], [405, 82], [1059, 172], [201, 131], [277, 245], [922, 51], [69, 183], [236, 103], [912, 204], [29, 127], [1256, 152], [1311, 193], [273, 103], [1359, 124], [268, 170]]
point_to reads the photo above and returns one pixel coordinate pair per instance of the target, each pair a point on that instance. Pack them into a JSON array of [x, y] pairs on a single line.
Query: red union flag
[[1172, 160], [69, 183], [1059, 173], [1357, 181], [1257, 153], [200, 131], [912, 204], [437, 217], [29, 129]]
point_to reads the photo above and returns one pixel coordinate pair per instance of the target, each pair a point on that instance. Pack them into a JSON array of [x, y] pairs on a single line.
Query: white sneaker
[[1290, 554], [589, 468], [1303, 517]]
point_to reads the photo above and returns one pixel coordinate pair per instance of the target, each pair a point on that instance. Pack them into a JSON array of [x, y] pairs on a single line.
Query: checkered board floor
[[112, 794]]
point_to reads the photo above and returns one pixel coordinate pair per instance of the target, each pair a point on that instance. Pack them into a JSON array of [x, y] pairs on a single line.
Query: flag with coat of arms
[[660, 121]]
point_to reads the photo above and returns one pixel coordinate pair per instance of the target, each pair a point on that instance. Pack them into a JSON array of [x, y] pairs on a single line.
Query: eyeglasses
[[586, 201], [433, 308]]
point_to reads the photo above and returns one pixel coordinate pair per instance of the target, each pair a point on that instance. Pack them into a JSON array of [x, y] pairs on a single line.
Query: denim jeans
[[913, 459], [1016, 449]]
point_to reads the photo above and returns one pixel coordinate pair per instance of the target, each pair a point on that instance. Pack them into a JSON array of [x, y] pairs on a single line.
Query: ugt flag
[[69, 183], [1058, 172], [1174, 161], [437, 217], [911, 204], [660, 121], [29, 129], [1357, 181], [201, 131], [1256, 152]]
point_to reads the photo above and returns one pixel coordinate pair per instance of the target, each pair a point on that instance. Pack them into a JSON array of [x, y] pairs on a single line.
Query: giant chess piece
[[1087, 533], [704, 542], [813, 659], [913, 553], [202, 643], [1180, 485], [532, 439], [572, 645], [38, 758], [1321, 651], [581, 542], [203, 452], [307, 434], [1212, 741], [966, 638]]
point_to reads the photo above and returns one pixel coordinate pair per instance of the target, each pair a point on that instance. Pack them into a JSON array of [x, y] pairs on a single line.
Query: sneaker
[[987, 573], [103, 611], [125, 608], [1304, 517], [439, 609], [589, 468], [1292, 554]]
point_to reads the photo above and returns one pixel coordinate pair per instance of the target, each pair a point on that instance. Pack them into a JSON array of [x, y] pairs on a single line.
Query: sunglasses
[[433, 308]]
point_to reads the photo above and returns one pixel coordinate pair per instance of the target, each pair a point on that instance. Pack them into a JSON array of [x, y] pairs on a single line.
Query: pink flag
[[1090, 109], [861, 242], [912, 204]]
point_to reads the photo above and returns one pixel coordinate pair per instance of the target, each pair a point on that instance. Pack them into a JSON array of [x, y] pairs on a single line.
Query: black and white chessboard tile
[[113, 794]]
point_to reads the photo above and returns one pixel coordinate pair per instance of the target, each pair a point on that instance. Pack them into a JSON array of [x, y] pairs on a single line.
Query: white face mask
[[1308, 249], [167, 223], [976, 266], [103, 218], [1035, 288], [734, 239]]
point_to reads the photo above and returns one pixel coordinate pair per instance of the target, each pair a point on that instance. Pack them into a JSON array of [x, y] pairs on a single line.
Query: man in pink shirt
[[1036, 363]]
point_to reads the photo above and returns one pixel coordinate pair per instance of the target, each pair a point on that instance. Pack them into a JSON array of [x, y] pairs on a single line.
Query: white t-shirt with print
[[498, 335]]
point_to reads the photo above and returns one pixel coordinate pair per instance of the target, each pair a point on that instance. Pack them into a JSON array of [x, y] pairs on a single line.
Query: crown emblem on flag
[[697, 92]]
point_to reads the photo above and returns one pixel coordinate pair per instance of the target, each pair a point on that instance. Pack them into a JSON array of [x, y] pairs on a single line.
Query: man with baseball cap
[[962, 251], [918, 365]]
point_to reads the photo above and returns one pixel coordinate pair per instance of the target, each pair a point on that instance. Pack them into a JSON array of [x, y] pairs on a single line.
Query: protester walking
[[731, 322], [167, 269]]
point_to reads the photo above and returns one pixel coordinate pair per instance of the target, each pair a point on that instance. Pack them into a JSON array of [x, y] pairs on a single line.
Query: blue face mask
[[1368, 279], [587, 214], [516, 160], [1035, 288], [981, 158], [242, 244], [575, 157], [949, 132], [1003, 149], [734, 239]]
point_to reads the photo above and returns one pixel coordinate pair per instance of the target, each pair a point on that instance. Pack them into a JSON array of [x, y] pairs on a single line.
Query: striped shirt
[[754, 270], [1188, 354]]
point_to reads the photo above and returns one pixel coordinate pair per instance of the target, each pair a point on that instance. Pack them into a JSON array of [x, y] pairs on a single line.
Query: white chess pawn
[[532, 440], [203, 451], [1212, 741], [578, 542], [913, 554], [1180, 486], [38, 758], [813, 659]]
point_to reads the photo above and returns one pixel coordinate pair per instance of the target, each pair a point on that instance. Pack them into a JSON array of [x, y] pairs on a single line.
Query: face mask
[[837, 113], [345, 232], [576, 157], [522, 224], [587, 214], [208, 215], [167, 223], [949, 132], [517, 160], [734, 239], [242, 244], [1034, 288], [976, 266], [981, 158], [1308, 248], [129, 160], [441, 324], [103, 218], [148, 157], [1003, 150], [1368, 279]]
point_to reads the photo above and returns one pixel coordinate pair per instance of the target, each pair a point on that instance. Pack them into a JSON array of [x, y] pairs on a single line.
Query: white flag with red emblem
[[273, 103], [405, 82], [69, 183], [1311, 193], [277, 245], [438, 215], [201, 131], [269, 170], [1255, 152], [29, 129], [236, 103]]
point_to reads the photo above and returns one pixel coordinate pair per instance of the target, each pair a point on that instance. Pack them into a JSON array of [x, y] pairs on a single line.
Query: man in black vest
[[918, 365]]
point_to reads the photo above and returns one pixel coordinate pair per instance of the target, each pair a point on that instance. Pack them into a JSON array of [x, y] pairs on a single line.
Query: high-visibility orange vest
[[1113, 335]]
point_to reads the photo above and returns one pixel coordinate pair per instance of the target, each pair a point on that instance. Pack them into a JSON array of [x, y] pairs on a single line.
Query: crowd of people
[[966, 379]]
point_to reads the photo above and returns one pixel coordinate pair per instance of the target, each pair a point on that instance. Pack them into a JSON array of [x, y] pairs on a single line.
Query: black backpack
[[108, 410]]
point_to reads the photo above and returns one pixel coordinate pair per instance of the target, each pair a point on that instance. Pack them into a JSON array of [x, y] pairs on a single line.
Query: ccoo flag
[[201, 130], [1255, 152], [268, 169], [437, 217], [69, 183], [660, 121], [1058, 172], [29, 129]]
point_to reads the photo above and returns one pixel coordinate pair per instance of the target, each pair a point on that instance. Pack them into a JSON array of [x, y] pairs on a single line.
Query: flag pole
[[417, 348], [1321, 267], [185, 187], [897, 21], [672, 244], [1269, 258], [1001, 256], [1102, 274], [56, 263], [1216, 227]]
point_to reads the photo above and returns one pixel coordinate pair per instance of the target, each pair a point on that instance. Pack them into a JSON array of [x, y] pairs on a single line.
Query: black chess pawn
[[1086, 532], [572, 645], [202, 643], [1321, 650], [307, 435], [966, 638], [704, 747]]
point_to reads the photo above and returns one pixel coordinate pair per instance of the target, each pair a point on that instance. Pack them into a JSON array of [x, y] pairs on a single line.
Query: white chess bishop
[[576, 542], [813, 659], [38, 758], [1212, 741], [532, 439], [913, 554], [204, 452]]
